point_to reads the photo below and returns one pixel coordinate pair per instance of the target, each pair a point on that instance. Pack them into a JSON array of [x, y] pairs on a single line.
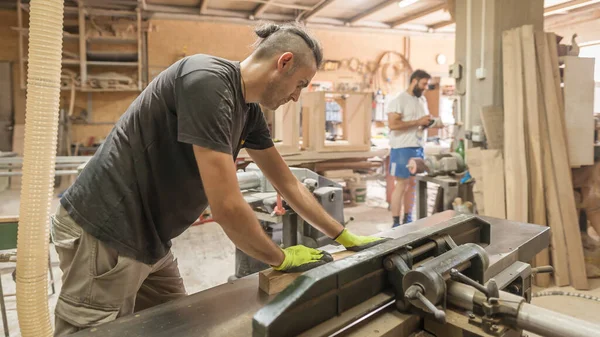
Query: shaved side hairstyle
[[288, 37]]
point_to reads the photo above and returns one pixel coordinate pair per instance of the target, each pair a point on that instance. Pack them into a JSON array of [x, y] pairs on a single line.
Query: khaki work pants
[[99, 285]]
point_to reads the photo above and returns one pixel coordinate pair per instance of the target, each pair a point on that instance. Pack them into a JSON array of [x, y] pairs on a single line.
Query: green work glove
[[301, 258], [357, 243]]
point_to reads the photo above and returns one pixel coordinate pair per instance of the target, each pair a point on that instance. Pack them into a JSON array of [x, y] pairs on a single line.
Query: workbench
[[65, 165], [228, 309], [308, 159]]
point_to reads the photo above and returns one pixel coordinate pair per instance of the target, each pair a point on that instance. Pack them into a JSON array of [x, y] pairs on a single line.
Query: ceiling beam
[[574, 17], [322, 5], [372, 10], [203, 6], [260, 9], [441, 24], [417, 15], [567, 6]]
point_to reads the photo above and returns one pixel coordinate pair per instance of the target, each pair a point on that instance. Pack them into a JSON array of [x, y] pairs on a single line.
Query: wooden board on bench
[[272, 282]]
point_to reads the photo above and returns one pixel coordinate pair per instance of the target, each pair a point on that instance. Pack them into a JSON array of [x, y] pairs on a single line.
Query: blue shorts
[[399, 159]]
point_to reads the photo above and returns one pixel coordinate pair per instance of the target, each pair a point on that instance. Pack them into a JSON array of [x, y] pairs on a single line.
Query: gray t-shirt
[[142, 188]]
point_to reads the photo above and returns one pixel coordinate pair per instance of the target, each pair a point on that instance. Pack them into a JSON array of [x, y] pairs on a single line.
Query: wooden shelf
[[111, 39], [87, 58], [70, 62], [112, 64], [109, 90], [65, 62], [66, 35], [79, 89]]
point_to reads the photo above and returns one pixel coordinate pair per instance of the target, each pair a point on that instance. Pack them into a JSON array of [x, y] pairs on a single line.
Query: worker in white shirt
[[408, 118]]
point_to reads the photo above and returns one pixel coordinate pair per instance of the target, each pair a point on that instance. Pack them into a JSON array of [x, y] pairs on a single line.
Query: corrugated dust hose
[[41, 130]]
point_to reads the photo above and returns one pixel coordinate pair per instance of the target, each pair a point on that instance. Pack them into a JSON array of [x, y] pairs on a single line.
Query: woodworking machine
[[446, 275], [282, 224]]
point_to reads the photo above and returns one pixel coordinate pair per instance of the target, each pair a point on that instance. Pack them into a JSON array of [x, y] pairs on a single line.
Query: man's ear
[[285, 62]]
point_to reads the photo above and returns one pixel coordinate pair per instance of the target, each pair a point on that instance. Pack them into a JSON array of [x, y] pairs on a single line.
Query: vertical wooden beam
[[139, 43], [82, 46], [21, 58]]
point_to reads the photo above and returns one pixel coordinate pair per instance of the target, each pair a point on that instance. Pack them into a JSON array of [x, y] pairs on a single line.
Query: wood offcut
[[272, 282]]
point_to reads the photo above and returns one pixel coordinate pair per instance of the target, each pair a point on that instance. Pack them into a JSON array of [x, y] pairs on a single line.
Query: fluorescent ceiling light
[[406, 3]]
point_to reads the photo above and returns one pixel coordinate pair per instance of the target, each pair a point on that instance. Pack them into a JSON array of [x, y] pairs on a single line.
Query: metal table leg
[[51, 274], [3, 308], [450, 193], [421, 198], [290, 229]]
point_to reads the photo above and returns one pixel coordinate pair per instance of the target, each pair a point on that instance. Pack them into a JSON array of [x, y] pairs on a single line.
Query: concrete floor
[[206, 257]]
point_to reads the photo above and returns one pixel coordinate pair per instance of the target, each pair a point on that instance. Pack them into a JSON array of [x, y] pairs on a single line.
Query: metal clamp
[[415, 292]]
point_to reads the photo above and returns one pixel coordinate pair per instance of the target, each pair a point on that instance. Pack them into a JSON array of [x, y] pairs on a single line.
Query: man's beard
[[271, 97], [417, 92]]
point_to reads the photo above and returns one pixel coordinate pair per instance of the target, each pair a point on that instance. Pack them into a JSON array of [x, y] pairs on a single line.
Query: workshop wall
[[9, 51], [169, 40]]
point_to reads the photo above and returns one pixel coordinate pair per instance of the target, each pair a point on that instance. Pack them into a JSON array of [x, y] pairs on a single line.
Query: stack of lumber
[[537, 173]]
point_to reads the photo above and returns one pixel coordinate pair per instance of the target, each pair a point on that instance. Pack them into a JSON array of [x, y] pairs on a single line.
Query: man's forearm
[[305, 204], [243, 229], [403, 125]]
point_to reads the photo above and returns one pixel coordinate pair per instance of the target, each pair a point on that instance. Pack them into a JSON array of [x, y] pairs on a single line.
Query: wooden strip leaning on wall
[[560, 168], [515, 162], [493, 176], [558, 245], [537, 214]]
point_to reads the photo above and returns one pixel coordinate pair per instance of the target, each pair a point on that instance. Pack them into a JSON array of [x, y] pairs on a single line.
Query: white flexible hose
[[41, 130]]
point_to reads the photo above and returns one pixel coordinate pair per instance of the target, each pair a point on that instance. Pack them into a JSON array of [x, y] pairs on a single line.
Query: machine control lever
[[415, 292], [490, 291]]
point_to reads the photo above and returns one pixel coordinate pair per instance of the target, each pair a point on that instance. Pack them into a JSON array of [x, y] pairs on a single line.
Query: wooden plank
[[515, 162], [313, 120], [579, 87], [306, 142], [473, 156], [561, 170], [493, 178], [558, 245], [390, 323], [358, 119], [492, 118], [287, 127], [9, 219], [537, 203], [272, 282], [82, 46], [553, 50]]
